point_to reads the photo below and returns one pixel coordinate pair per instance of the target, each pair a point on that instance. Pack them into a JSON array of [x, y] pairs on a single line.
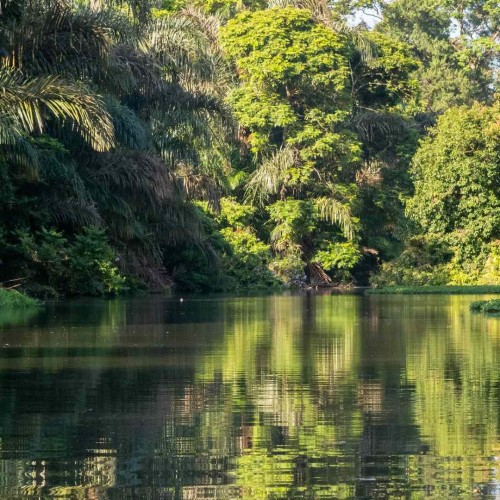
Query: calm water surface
[[298, 396]]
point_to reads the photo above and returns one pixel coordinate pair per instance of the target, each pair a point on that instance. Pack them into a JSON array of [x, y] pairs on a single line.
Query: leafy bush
[[477, 306], [423, 262], [290, 269], [45, 253], [247, 264], [431, 260], [392, 274], [234, 214], [455, 171], [230, 257], [92, 269], [490, 272], [431, 289], [486, 306], [455, 205], [491, 307], [13, 298], [294, 220], [338, 259], [87, 266]]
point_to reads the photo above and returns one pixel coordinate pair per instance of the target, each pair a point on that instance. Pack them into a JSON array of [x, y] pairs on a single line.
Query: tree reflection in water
[[260, 397]]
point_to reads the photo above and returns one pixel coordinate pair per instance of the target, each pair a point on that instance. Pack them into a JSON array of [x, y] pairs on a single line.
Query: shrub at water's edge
[[486, 306], [453, 214], [438, 289], [84, 265], [13, 298]]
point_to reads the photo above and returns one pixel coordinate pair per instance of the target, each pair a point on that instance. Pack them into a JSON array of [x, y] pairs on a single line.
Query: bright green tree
[[457, 44], [456, 203], [456, 172], [293, 102]]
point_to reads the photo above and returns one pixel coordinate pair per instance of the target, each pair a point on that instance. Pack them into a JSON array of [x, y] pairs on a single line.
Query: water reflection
[[303, 396]]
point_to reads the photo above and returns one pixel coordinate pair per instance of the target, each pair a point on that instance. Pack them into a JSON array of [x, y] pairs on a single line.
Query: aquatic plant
[[486, 306]]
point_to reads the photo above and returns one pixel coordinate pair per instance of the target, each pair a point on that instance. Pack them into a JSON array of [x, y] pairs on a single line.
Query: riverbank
[[443, 289]]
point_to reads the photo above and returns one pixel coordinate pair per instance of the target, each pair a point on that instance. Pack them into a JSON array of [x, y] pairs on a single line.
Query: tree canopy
[[133, 133]]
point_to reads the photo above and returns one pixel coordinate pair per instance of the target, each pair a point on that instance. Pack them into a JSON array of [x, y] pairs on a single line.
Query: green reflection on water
[[301, 396]]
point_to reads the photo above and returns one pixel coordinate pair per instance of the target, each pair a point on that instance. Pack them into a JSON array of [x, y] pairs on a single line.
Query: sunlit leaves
[[33, 100]]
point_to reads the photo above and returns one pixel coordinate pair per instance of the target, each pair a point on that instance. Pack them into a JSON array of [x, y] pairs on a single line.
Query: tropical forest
[[249, 249], [226, 145]]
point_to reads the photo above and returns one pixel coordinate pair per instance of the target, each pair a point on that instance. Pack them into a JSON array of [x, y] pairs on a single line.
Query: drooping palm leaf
[[338, 213], [136, 175], [130, 130], [270, 178], [370, 123], [52, 38], [189, 54], [33, 101], [140, 9]]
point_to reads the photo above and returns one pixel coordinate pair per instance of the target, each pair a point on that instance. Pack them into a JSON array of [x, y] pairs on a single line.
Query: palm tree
[[116, 123], [30, 104]]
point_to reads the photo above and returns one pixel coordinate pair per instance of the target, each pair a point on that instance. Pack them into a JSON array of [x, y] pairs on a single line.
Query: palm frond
[[10, 130], [369, 124], [16, 148], [140, 176], [130, 131], [34, 100], [136, 73], [72, 211], [271, 176], [189, 52], [140, 9], [338, 213], [54, 38], [179, 224], [199, 186], [209, 25]]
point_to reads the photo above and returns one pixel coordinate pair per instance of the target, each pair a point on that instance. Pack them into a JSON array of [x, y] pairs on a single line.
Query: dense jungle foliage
[[223, 144]]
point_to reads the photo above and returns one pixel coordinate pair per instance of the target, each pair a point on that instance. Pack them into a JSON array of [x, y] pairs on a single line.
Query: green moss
[[13, 298], [443, 289]]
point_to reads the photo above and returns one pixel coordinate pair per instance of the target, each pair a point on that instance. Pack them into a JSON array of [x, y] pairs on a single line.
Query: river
[[274, 396]]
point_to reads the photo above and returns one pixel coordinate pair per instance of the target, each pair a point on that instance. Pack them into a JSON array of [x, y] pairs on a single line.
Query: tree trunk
[[318, 277]]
